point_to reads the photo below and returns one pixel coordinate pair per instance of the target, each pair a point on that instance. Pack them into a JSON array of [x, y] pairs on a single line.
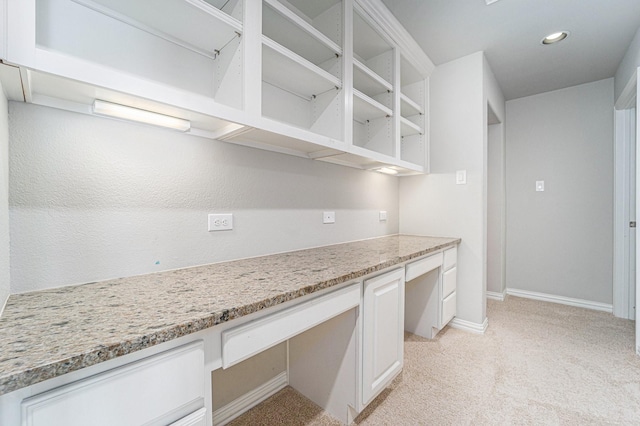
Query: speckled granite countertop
[[49, 333]]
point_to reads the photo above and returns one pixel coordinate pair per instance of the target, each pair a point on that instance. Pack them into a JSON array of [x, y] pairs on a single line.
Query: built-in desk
[[91, 337]]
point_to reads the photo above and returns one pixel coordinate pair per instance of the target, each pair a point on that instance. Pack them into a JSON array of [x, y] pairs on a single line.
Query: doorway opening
[[496, 211]]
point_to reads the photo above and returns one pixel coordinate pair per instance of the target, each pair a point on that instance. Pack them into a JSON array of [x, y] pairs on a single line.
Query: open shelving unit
[[199, 53], [332, 80], [302, 65], [373, 125], [413, 137]]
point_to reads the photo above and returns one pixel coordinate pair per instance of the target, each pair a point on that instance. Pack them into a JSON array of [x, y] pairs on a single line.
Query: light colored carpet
[[538, 364]]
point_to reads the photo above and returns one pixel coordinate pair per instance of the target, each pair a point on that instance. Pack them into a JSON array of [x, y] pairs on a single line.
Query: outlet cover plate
[[220, 222], [329, 217]]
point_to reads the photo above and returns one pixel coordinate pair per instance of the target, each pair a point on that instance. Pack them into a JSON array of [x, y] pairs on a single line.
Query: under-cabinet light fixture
[[124, 112], [555, 37], [387, 170]]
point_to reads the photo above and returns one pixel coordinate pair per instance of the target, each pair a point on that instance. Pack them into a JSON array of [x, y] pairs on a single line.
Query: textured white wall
[[434, 204], [93, 198], [628, 66], [4, 202], [560, 241]]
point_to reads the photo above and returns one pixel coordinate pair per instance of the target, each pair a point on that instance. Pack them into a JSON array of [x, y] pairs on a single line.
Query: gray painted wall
[[433, 204], [560, 241], [93, 199], [4, 202], [628, 66]]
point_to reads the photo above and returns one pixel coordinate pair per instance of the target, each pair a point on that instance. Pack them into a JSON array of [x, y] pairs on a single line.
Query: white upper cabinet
[[333, 80], [373, 73], [302, 65]]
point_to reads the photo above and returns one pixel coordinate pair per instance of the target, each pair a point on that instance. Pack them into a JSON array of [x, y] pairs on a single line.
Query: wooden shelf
[[409, 128], [409, 107], [291, 72], [201, 27], [365, 108]]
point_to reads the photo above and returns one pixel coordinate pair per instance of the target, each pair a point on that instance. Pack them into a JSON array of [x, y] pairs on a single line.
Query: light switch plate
[[539, 185], [329, 217], [383, 215], [461, 177]]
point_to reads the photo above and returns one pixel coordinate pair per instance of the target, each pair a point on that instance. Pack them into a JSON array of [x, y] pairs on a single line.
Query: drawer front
[[422, 266], [157, 390], [448, 309], [450, 258], [252, 338], [449, 282]]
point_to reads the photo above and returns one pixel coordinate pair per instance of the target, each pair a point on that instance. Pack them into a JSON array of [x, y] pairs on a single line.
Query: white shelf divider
[[409, 106], [409, 128], [301, 76], [137, 15], [365, 108], [304, 25], [368, 72]]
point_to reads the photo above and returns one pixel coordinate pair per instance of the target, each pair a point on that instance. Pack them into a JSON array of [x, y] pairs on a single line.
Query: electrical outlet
[[539, 186], [329, 217], [383, 215], [220, 222]]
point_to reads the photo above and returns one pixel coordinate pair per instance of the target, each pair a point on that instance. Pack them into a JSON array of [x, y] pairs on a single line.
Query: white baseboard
[[580, 303], [472, 327], [249, 400], [496, 296]]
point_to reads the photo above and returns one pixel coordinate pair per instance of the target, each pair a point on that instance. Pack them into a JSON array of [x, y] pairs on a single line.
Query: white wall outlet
[[329, 217], [220, 222], [461, 177], [383, 215], [539, 185]]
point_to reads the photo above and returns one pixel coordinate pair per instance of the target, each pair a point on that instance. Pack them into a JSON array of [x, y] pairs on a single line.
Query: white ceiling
[[509, 32]]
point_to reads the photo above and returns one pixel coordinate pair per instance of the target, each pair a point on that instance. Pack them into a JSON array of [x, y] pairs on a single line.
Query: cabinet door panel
[[383, 338]]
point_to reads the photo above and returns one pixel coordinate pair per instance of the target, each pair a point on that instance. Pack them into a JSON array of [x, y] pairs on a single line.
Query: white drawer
[[448, 308], [249, 339], [422, 266], [157, 390], [449, 282], [450, 258]]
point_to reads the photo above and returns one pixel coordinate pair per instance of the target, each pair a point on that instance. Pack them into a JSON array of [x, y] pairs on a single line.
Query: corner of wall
[[4, 201], [627, 68]]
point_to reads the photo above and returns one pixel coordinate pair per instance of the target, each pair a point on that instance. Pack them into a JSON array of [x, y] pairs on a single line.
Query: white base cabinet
[[344, 346], [383, 332]]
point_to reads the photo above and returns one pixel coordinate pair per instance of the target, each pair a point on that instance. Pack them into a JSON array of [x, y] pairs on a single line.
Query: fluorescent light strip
[[387, 170], [139, 115]]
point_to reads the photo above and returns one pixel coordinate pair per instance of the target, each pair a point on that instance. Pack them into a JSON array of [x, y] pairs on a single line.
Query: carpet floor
[[538, 364]]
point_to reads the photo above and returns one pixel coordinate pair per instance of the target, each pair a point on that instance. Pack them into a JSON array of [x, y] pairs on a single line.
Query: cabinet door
[[383, 337]]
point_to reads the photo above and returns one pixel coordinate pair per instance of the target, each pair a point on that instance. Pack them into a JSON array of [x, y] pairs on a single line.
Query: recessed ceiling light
[[555, 37]]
